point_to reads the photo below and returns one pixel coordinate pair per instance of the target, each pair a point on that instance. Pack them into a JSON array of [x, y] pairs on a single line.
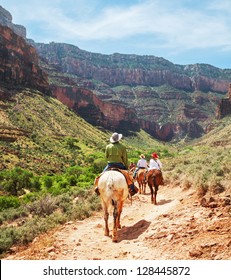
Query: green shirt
[[116, 152]]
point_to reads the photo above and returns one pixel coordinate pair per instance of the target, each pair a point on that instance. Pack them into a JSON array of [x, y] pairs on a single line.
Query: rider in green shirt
[[116, 153]]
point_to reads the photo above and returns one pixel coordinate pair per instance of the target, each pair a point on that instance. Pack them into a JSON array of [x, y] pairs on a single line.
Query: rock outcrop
[[19, 62], [224, 107], [6, 20]]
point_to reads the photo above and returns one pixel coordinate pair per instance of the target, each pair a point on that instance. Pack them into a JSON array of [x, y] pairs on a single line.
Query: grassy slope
[[52, 131], [205, 163], [55, 137]]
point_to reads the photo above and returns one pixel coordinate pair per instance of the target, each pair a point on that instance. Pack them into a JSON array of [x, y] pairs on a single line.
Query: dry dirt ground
[[180, 226]]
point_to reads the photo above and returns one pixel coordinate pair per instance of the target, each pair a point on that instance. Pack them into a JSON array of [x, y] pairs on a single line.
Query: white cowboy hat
[[115, 137]]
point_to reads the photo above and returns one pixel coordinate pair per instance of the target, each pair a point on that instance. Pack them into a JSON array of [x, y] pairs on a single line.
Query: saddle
[[126, 174], [156, 175], [132, 188]]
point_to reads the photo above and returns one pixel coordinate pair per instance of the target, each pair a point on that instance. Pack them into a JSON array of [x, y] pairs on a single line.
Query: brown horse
[[141, 180], [154, 178], [113, 191]]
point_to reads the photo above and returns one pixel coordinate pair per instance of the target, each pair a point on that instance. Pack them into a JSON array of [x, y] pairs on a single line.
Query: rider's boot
[[132, 189]]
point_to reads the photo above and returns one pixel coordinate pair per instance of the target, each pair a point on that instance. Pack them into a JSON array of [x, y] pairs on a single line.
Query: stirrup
[[97, 190]]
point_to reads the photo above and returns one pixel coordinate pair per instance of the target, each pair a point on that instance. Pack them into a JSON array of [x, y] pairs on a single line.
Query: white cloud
[[168, 24], [179, 28]]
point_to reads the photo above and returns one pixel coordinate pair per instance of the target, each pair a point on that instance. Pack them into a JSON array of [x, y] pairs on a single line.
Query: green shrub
[[30, 197], [12, 214], [72, 180], [8, 236], [8, 202], [47, 181], [35, 183], [64, 202], [99, 165], [71, 143], [63, 184], [16, 180], [83, 184]]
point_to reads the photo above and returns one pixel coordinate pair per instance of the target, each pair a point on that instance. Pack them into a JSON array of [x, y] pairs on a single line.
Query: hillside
[[219, 136], [46, 126]]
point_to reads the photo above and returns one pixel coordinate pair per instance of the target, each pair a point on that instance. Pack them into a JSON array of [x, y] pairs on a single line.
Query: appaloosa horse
[[113, 191]]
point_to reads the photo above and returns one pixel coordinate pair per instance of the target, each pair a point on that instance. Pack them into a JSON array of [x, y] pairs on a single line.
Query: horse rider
[[132, 166], [155, 164], [141, 164], [116, 155]]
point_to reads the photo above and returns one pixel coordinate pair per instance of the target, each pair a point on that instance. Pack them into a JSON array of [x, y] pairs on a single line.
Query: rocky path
[[179, 227]]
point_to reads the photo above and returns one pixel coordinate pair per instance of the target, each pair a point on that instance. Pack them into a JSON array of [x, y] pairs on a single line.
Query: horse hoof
[[115, 240], [106, 233]]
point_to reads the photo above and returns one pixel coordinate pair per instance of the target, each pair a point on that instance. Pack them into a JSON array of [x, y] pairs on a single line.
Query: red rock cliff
[[224, 107], [90, 107], [19, 62]]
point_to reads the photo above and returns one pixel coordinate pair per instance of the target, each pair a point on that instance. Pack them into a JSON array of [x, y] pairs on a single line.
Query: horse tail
[[109, 188], [110, 184]]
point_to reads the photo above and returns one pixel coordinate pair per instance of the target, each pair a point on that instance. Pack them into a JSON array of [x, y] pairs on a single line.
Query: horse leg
[[144, 187], [154, 196], [106, 215], [120, 207], [140, 187], [151, 191], [145, 182], [155, 193], [115, 224]]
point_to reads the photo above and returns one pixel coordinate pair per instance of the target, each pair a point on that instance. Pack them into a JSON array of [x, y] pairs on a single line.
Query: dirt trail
[[177, 228]]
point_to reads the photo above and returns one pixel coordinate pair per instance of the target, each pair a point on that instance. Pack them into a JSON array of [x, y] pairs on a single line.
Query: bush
[[35, 183], [7, 238], [13, 214], [71, 143], [99, 165], [16, 180], [8, 202], [47, 181], [43, 207], [30, 197]]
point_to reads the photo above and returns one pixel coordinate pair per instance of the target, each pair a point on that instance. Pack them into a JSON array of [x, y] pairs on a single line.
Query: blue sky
[[182, 31]]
